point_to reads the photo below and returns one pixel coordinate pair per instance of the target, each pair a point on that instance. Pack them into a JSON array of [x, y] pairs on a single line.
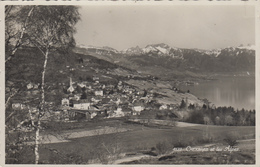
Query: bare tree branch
[[19, 41]]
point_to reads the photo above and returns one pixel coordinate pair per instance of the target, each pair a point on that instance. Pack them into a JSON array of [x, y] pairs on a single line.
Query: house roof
[[83, 111], [138, 103], [84, 100], [105, 100], [79, 111], [81, 101]]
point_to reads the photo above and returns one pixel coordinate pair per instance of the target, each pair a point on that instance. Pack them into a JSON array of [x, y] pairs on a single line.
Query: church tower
[[71, 89]]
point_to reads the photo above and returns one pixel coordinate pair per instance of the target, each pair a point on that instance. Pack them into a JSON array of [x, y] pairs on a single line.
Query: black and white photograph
[[129, 83]]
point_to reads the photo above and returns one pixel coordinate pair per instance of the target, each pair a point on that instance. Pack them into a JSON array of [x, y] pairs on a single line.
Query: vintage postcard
[[129, 83]]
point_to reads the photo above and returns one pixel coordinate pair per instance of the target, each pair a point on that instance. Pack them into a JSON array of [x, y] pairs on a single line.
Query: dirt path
[[129, 159], [185, 124]]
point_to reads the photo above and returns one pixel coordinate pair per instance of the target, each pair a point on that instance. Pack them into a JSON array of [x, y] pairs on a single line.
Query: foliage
[[16, 23], [231, 138], [195, 117], [53, 28], [183, 104], [163, 147], [49, 28], [221, 116], [16, 149], [207, 137]]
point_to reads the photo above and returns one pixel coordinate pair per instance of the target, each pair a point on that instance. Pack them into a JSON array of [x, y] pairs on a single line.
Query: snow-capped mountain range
[[237, 50], [155, 49], [100, 50], [166, 50], [164, 57]]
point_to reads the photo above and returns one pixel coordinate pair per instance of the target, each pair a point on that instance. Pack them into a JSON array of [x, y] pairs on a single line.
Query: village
[[100, 100], [95, 100], [83, 92]]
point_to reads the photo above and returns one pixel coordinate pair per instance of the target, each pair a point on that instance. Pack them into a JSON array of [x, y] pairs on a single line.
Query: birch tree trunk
[[18, 43], [42, 110]]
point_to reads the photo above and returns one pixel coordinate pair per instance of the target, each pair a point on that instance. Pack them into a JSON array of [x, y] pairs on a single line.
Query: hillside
[[27, 66], [164, 61], [25, 70]]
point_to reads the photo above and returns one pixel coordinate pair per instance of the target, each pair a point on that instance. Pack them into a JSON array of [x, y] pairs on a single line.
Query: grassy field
[[106, 148], [245, 155]]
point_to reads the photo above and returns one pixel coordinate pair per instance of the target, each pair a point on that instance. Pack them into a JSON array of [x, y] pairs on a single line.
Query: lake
[[238, 92]]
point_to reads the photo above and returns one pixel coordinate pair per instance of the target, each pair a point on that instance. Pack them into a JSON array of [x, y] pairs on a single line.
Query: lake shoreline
[[225, 90]]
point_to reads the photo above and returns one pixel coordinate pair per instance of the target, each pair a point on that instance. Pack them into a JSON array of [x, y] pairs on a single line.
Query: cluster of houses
[[95, 99], [99, 100]]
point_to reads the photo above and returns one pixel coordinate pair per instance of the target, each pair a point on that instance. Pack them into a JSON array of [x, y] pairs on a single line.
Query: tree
[[83, 95], [191, 106], [229, 120], [183, 104], [14, 32], [207, 120], [52, 30], [145, 93], [16, 22]]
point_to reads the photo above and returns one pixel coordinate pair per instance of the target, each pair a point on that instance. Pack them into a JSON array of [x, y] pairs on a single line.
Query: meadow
[[139, 139]]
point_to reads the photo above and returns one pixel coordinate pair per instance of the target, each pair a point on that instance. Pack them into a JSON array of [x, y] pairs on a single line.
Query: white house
[[35, 86], [118, 101], [18, 106], [30, 86], [163, 107], [76, 97], [119, 113], [65, 102], [81, 105], [95, 100], [92, 115], [137, 110], [99, 93], [82, 85], [95, 78], [104, 86]]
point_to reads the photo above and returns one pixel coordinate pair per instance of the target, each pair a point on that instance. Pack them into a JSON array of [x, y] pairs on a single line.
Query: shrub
[[180, 144], [162, 147], [207, 137], [195, 117], [231, 139]]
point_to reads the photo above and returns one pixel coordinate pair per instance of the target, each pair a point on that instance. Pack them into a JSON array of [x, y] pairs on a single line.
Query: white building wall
[[99, 93], [138, 108], [82, 106]]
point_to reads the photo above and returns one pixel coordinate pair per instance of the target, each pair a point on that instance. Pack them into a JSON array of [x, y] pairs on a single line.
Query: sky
[[183, 26]]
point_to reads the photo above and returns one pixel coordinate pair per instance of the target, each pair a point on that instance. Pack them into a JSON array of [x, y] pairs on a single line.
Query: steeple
[[70, 81], [71, 89]]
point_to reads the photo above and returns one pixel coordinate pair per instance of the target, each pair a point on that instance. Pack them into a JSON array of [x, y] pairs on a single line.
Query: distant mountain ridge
[[162, 59], [100, 50], [166, 50]]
